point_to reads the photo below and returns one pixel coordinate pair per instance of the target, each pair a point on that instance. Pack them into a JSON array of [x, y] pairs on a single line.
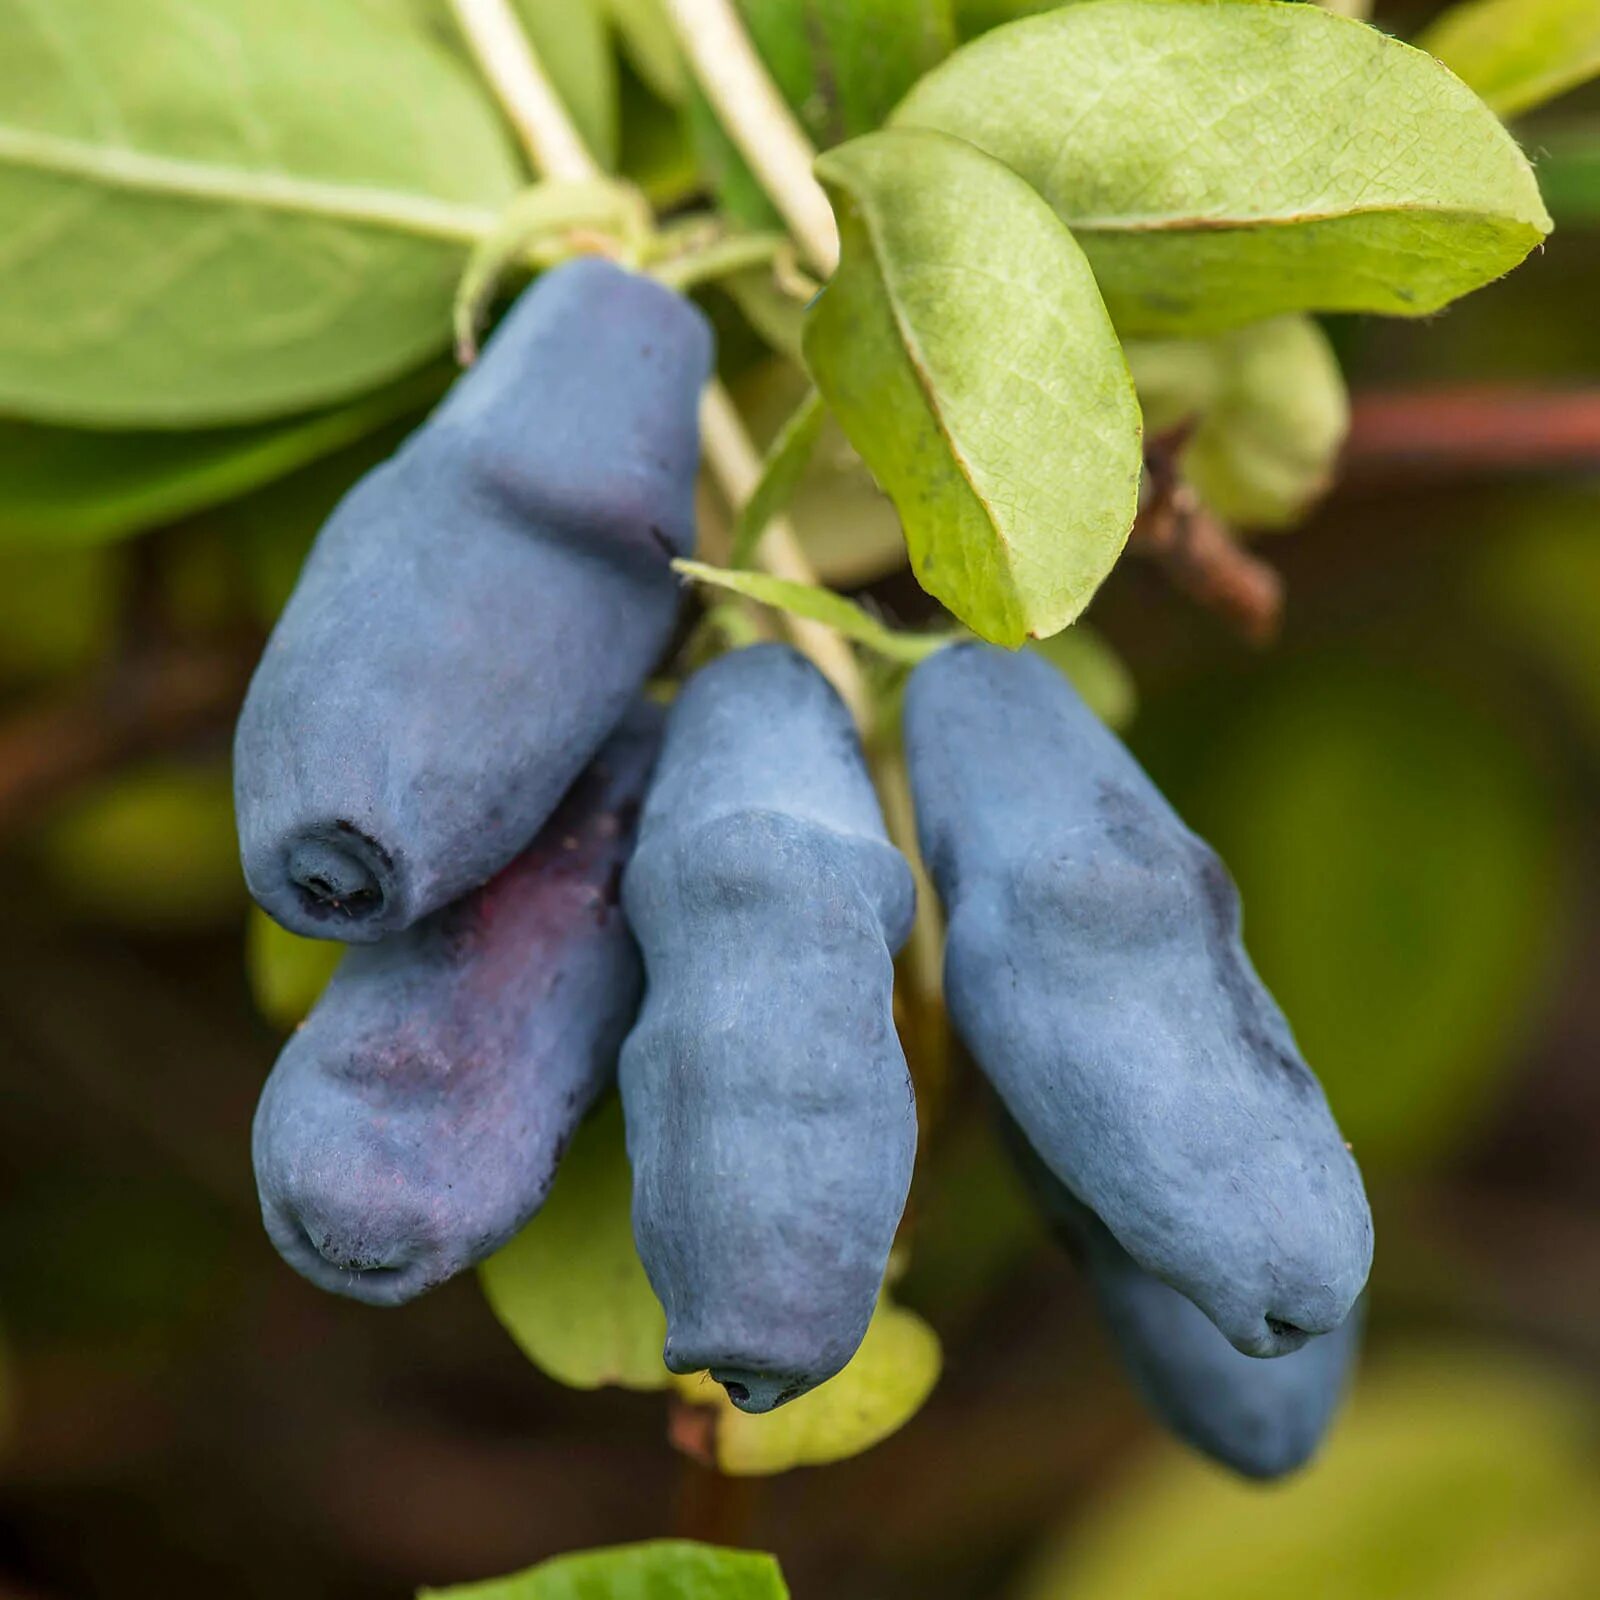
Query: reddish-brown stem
[[1472, 429]]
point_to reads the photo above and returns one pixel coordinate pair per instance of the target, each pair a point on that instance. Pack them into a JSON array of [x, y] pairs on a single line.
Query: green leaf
[[963, 346], [819, 605], [1518, 53], [573, 45], [1451, 1477], [1095, 670], [219, 211], [1221, 163], [569, 1288], [882, 1388], [70, 486], [1271, 411], [786, 461], [287, 973], [664, 1569]]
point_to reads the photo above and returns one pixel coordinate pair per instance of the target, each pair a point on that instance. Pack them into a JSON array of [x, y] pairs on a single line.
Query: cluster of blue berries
[[709, 912]]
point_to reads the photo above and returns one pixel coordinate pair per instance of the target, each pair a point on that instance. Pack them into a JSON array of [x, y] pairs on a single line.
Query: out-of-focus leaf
[[1569, 173], [786, 460], [1541, 581], [1518, 53], [979, 16], [1271, 411], [223, 211], [1223, 163], [650, 46], [573, 45], [1016, 479], [819, 605], [665, 1569], [287, 973], [1096, 671], [1400, 867], [56, 609], [1451, 1477], [75, 486], [880, 1390], [569, 1288], [152, 847]]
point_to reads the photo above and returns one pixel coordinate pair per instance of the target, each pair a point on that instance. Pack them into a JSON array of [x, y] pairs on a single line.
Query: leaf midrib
[[138, 171], [1153, 223]]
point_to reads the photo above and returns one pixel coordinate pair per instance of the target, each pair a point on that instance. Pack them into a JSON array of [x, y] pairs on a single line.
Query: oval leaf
[[881, 1389], [1220, 163], [218, 210], [964, 348], [1519, 53], [664, 1569], [569, 1288]]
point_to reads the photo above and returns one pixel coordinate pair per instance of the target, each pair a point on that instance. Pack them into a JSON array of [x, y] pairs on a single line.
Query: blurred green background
[[1405, 787]]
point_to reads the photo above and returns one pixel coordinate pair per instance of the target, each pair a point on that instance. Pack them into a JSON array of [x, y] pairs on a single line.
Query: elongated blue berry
[[1264, 1419], [415, 1121], [477, 613], [769, 1111], [1095, 970]]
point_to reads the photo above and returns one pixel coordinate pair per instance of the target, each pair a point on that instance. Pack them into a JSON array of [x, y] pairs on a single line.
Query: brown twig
[[1196, 551], [712, 1507], [154, 700], [1466, 431]]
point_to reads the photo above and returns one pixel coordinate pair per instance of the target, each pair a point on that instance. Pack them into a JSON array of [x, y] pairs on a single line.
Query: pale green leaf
[[776, 316], [218, 210], [1452, 1476], [1220, 163], [664, 1569], [70, 486], [818, 605], [287, 973], [981, 383], [1518, 53], [573, 45], [882, 1388], [1095, 670], [786, 460], [1270, 413], [569, 1288]]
